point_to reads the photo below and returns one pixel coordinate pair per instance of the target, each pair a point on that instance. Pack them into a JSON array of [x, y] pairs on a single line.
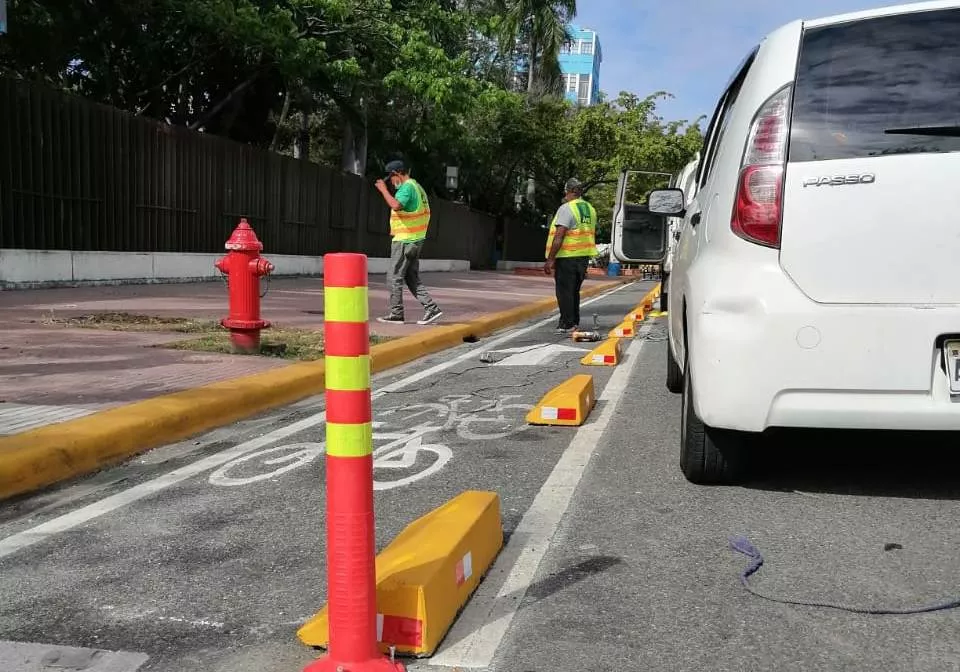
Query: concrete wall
[[512, 265], [56, 268]]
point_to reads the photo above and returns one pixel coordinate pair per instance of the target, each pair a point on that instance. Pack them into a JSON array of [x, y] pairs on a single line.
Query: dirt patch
[[276, 341], [133, 322]]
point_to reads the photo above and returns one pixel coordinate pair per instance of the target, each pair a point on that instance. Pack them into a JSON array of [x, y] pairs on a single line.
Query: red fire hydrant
[[244, 267]]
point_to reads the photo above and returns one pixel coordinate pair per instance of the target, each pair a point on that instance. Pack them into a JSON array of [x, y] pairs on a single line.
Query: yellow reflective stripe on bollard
[[348, 373], [345, 304], [349, 440]]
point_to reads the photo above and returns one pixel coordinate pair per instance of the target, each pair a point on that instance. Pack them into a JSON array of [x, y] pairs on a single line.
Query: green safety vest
[[581, 241], [409, 227]]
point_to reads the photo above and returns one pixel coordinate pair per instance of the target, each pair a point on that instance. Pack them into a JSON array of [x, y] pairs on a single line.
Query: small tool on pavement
[[592, 336]]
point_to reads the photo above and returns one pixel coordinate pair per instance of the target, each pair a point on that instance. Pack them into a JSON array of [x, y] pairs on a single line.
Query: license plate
[[951, 357]]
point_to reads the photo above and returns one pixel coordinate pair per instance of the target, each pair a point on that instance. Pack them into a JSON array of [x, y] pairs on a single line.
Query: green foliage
[[433, 81]]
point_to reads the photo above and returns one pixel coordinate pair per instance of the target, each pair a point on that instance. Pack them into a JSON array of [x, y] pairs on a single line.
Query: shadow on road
[[919, 465], [565, 578]]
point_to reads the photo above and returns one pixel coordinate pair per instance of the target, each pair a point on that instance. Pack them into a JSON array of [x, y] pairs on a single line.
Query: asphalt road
[[208, 555], [640, 575]]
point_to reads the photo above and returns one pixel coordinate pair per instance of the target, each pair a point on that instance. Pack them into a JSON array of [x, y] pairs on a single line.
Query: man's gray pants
[[405, 269]]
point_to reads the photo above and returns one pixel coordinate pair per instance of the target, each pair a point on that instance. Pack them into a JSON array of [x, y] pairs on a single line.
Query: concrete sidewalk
[[50, 373]]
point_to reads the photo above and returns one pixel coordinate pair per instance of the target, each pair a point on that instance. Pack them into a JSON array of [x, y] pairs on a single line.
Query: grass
[[209, 336], [132, 322]]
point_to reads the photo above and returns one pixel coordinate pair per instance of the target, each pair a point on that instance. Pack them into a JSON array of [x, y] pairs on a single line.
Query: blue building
[[580, 61]]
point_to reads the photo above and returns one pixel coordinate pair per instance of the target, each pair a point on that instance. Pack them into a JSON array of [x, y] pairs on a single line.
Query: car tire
[[708, 456], [674, 374]]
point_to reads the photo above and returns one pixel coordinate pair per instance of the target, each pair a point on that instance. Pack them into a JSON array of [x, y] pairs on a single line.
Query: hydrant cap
[[244, 239]]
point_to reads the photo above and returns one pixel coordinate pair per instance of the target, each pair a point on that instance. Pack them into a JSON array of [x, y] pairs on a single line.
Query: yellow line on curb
[[41, 457]]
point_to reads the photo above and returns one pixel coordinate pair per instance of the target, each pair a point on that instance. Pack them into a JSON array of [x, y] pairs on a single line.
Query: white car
[[686, 181], [815, 282]]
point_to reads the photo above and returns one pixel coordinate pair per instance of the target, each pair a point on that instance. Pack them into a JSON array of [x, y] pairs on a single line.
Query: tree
[[539, 28], [355, 83], [596, 143]]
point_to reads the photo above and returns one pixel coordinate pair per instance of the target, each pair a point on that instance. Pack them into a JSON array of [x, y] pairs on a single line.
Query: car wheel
[[674, 374], [708, 456]]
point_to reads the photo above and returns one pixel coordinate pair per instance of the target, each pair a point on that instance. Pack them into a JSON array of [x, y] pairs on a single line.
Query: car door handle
[[694, 219]]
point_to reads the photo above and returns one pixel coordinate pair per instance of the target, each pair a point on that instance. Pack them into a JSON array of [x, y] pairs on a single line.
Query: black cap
[[396, 166]]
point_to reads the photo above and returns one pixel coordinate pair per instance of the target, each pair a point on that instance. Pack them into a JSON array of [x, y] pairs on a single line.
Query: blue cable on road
[[742, 545]]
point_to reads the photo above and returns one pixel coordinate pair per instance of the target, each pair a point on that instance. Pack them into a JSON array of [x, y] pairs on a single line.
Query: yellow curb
[[41, 457]]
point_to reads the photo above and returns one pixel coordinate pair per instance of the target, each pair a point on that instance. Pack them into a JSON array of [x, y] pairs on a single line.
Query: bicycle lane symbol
[[473, 419], [403, 449], [400, 452]]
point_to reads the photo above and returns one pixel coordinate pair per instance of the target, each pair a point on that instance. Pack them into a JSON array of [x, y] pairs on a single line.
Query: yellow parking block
[[607, 353], [654, 293], [568, 404], [626, 329], [636, 315], [427, 574]]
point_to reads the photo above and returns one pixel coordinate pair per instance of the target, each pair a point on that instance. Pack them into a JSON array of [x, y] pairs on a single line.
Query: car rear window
[[857, 81]]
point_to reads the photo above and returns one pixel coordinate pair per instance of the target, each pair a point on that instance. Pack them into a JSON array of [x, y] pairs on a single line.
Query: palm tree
[[540, 26]]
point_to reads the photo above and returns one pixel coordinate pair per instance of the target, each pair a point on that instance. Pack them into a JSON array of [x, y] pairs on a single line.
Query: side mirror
[[666, 202]]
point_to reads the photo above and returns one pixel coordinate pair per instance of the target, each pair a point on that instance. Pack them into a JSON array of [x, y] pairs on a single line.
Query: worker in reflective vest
[[409, 221], [570, 246]]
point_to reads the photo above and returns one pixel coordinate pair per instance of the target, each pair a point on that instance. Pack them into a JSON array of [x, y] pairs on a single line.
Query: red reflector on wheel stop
[[400, 630]]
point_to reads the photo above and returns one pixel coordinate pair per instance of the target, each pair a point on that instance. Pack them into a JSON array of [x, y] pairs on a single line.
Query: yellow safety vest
[[581, 241], [410, 227]]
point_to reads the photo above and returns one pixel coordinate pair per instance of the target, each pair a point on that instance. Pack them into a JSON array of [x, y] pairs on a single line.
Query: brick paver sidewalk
[[49, 373]]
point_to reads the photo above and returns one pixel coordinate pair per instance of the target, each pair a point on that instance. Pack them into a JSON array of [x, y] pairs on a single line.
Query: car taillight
[[757, 211]]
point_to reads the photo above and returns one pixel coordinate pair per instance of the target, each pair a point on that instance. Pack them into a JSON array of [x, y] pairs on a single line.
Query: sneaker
[[431, 316], [563, 331], [391, 319]]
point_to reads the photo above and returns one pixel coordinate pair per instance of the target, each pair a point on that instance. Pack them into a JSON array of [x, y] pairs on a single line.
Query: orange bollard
[[351, 553]]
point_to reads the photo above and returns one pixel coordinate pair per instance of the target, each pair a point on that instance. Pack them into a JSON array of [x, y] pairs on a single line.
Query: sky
[[655, 45]]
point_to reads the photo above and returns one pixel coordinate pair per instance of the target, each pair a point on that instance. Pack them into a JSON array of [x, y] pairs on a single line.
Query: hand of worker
[[381, 185], [548, 267]]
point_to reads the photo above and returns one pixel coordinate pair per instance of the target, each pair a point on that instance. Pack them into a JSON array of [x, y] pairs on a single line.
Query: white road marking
[[477, 634], [68, 521], [302, 455], [527, 356], [492, 345]]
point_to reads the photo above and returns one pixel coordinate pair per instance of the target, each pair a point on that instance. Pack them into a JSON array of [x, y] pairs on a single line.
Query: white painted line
[[477, 634], [539, 356], [68, 521], [491, 345]]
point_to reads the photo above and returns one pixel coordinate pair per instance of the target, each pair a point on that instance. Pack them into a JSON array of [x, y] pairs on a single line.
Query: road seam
[[475, 638]]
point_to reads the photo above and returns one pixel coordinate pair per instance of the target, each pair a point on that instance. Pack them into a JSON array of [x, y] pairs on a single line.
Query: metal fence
[[75, 175]]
